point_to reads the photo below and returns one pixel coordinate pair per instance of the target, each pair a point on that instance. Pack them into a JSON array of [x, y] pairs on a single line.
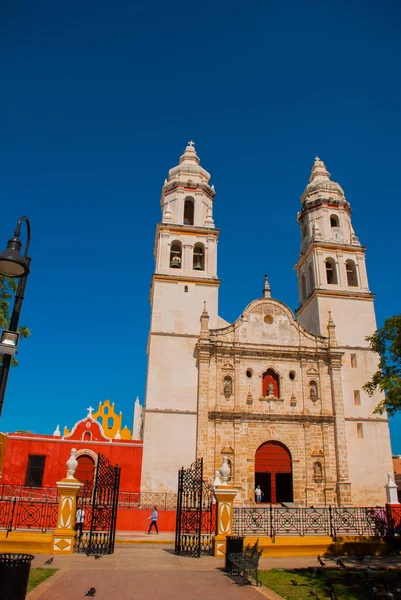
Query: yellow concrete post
[[225, 499], [64, 536]]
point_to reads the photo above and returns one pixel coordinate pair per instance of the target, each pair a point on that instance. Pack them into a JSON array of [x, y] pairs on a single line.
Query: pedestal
[[64, 536], [225, 498]]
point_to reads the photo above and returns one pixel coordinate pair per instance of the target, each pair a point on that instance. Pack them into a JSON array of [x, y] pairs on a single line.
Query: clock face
[[337, 234]]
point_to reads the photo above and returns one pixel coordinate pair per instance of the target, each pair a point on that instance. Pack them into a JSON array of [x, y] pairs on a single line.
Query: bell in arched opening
[[175, 256], [199, 258]]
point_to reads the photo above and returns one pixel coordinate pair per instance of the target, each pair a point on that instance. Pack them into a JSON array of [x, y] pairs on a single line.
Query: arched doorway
[[85, 469], [273, 472]]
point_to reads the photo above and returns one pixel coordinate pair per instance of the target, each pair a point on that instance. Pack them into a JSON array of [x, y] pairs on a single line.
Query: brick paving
[[153, 572]]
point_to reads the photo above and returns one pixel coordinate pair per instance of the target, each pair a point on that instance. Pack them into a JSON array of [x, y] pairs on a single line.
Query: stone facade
[[270, 381]]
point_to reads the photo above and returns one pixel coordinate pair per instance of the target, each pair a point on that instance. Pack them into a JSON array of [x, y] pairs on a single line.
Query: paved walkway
[[153, 572]]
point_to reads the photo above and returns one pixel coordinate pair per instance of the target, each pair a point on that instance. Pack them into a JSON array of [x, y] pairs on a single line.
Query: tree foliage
[[8, 287], [386, 341]]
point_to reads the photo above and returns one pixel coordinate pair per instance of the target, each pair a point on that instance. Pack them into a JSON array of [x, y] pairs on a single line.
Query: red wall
[[137, 520], [128, 455]]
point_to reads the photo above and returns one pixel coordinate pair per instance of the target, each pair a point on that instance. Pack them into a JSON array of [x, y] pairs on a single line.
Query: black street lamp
[[13, 264]]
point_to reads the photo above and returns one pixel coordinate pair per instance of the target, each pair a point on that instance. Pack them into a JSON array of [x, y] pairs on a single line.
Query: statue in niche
[[270, 391], [318, 472], [313, 391], [228, 386]]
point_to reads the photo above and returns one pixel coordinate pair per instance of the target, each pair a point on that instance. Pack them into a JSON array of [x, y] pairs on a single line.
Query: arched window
[[305, 232], [352, 278], [189, 212], [303, 283], [311, 278], [86, 436], [334, 221], [175, 255], [199, 257], [331, 271], [270, 384]]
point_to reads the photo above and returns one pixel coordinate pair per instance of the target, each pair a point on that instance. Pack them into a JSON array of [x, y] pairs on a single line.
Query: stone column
[[309, 487], [64, 536], [343, 483], [225, 499], [203, 401]]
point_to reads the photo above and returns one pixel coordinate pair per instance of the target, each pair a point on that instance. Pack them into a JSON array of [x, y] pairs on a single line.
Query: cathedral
[[279, 395]]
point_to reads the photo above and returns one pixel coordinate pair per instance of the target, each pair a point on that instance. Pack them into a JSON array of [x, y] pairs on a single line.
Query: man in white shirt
[[258, 494], [79, 520]]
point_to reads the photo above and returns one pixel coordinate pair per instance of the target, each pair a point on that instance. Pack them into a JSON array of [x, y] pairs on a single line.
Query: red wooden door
[[273, 458]]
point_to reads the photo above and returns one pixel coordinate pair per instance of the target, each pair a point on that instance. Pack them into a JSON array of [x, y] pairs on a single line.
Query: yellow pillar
[[225, 499], [64, 536]]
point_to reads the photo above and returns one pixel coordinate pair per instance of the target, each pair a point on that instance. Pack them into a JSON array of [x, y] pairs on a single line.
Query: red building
[[36, 460], [33, 463]]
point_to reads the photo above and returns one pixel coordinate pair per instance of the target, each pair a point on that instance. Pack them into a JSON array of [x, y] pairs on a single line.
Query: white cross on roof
[[191, 143]]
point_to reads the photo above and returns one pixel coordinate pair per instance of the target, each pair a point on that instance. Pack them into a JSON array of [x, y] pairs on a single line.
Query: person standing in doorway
[[153, 523], [258, 494], [79, 520]]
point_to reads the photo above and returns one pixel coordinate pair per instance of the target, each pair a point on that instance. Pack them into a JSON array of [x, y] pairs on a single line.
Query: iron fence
[[24, 514], [147, 500], [130, 500], [275, 521]]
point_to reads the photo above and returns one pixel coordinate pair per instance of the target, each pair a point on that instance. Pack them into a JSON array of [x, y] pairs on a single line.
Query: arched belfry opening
[[273, 472], [189, 210]]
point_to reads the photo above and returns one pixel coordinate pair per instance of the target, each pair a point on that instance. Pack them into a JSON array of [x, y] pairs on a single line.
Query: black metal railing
[[275, 521], [130, 500], [26, 514]]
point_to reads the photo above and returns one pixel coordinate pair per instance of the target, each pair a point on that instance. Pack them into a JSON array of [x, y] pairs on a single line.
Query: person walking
[[258, 494], [79, 520], [154, 516]]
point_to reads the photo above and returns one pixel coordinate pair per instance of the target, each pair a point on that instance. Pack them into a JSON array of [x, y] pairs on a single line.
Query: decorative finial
[[331, 328], [90, 411], [191, 143], [57, 432], [266, 288], [317, 158], [209, 219], [204, 319], [72, 464], [118, 435]]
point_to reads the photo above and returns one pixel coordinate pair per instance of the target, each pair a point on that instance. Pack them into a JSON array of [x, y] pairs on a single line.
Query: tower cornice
[[188, 230], [329, 246], [368, 296]]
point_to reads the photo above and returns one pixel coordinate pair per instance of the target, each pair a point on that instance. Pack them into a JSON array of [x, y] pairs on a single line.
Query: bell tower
[[185, 278], [331, 268], [334, 292]]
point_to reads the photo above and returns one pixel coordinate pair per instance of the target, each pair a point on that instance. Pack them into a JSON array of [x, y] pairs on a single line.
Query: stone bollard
[[64, 536]]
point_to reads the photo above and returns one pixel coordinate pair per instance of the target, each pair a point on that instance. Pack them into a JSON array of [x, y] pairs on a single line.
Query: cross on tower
[[191, 143], [90, 411]]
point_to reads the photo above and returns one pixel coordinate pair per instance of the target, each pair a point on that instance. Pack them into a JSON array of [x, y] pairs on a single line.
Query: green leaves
[[386, 342], [8, 288]]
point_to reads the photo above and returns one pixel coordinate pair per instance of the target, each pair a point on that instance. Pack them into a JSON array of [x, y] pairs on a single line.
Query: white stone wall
[[170, 443]]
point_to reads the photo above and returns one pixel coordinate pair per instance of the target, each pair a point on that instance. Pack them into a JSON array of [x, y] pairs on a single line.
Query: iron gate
[[196, 513], [99, 500]]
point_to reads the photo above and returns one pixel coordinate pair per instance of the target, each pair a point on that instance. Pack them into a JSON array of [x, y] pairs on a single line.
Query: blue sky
[[99, 100]]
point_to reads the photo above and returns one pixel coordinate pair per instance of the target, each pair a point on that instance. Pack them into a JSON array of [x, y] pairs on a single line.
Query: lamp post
[[13, 264]]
